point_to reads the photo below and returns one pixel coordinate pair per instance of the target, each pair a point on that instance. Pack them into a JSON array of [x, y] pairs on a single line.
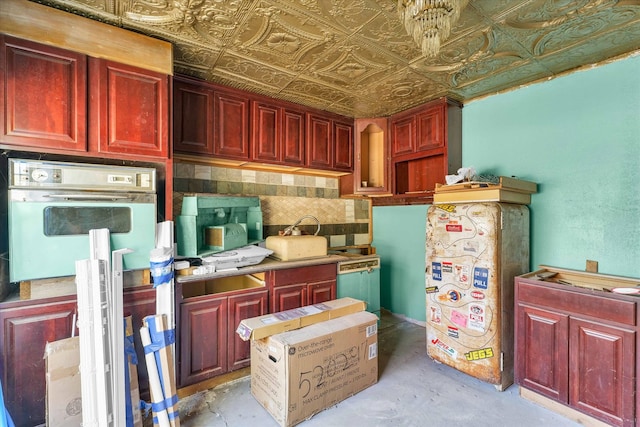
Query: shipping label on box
[[270, 324], [298, 373]]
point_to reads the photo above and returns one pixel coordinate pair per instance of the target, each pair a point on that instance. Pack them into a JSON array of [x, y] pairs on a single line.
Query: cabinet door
[[403, 135], [542, 352], [321, 292], [24, 334], [431, 128], [243, 307], [139, 303], [343, 146], [192, 118], [203, 340], [44, 96], [293, 140], [129, 111], [289, 297], [319, 142], [602, 370], [265, 135], [231, 126]]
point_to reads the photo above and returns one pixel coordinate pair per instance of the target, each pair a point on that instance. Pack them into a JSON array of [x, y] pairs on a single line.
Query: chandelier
[[430, 21]]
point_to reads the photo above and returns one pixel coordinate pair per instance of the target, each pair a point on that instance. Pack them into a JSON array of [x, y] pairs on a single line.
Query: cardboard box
[[298, 373], [64, 398], [259, 327]]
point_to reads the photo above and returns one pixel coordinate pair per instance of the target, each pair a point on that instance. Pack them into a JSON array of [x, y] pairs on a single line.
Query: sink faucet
[[292, 228]]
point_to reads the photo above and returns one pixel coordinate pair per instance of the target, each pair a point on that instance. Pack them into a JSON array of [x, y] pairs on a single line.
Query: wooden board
[[482, 195], [506, 183]]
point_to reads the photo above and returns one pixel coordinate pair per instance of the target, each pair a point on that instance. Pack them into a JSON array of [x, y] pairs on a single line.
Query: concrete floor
[[412, 390]]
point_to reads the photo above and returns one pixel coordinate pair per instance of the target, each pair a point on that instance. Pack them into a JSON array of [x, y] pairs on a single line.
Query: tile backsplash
[[285, 198]]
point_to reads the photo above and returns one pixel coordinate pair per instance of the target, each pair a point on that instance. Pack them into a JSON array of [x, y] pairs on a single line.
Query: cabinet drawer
[[315, 273], [575, 301]]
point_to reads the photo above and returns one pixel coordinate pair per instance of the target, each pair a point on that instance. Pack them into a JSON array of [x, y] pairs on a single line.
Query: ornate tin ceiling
[[353, 57]]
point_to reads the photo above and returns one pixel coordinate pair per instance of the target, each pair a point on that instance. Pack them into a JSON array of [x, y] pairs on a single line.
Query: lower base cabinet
[[297, 287], [27, 327], [577, 345], [207, 343]]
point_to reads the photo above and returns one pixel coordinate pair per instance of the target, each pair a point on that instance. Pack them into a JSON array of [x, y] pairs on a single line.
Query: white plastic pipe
[[154, 379]]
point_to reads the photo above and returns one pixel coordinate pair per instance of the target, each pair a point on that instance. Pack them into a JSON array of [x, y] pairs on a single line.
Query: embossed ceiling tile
[[193, 57], [502, 80], [276, 36], [312, 93], [496, 9], [387, 32], [347, 15], [247, 71]]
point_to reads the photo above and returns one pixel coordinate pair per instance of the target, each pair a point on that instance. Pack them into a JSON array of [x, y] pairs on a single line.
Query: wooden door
[[231, 125], [542, 351], [129, 110], [266, 122], [602, 371], [403, 134], [192, 118], [293, 138], [24, 334], [343, 146], [319, 141], [431, 128], [203, 339], [321, 292], [44, 95], [289, 297], [243, 306]]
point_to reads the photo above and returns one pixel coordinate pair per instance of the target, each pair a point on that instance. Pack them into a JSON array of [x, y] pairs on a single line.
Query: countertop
[[267, 264]]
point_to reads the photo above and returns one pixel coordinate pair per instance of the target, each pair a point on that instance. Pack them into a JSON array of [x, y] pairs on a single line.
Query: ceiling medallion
[[429, 22]]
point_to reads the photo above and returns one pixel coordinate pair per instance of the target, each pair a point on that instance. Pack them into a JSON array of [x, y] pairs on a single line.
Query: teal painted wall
[[578, 137]]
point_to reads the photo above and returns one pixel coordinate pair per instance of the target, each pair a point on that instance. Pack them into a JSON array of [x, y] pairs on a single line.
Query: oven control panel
[[358, 264], [80, 176]]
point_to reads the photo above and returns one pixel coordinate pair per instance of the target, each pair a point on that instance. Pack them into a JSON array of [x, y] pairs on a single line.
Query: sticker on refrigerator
[[454, 228], [436, 315], [452, 331], [451, 295], [477, 315], [436, 271], [431, 289], [462, 273], [483, 353], [479, 295], [458, 318], [481, 277], [444, 347], [447, 267]]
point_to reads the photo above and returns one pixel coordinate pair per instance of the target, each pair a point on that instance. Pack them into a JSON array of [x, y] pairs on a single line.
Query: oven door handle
[[86, 197]]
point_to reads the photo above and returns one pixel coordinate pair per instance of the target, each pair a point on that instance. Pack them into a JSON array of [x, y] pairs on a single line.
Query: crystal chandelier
[[430, 21]]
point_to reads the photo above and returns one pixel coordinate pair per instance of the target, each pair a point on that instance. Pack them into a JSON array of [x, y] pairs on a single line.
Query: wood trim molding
[[43, 24]]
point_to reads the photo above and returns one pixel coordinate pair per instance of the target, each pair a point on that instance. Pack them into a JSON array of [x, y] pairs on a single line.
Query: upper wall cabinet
[[426, 144], [57, 100], [44, 95], [128, 109], [371, 168], [329, 142], [234, 125], [277, 133]]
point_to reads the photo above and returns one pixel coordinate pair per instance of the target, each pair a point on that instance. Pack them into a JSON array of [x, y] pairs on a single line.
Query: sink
[[289, 248]]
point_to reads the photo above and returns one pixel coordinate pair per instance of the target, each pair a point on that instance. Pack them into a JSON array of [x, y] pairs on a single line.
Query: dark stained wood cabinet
[[277, 134], [231, 125], [207, 344], [44, 96], [192, 117], [27, 326], [62, 102], [296, 287], [577, 345], [329, 142], [128, 111], [26, 329], [426, 144]]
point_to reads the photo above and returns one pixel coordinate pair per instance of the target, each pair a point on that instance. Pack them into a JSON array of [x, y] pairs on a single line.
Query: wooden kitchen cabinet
[[26, 329], [371, 165], [425, 147], [56, 100], [207, 344], [297, 287], [577, 344], [128, 111], [231, 124], [329, 142], [44, 92], [277, 133], [192, 117]]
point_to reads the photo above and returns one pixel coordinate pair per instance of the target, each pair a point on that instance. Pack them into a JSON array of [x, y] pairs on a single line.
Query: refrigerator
[[473, 253]]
